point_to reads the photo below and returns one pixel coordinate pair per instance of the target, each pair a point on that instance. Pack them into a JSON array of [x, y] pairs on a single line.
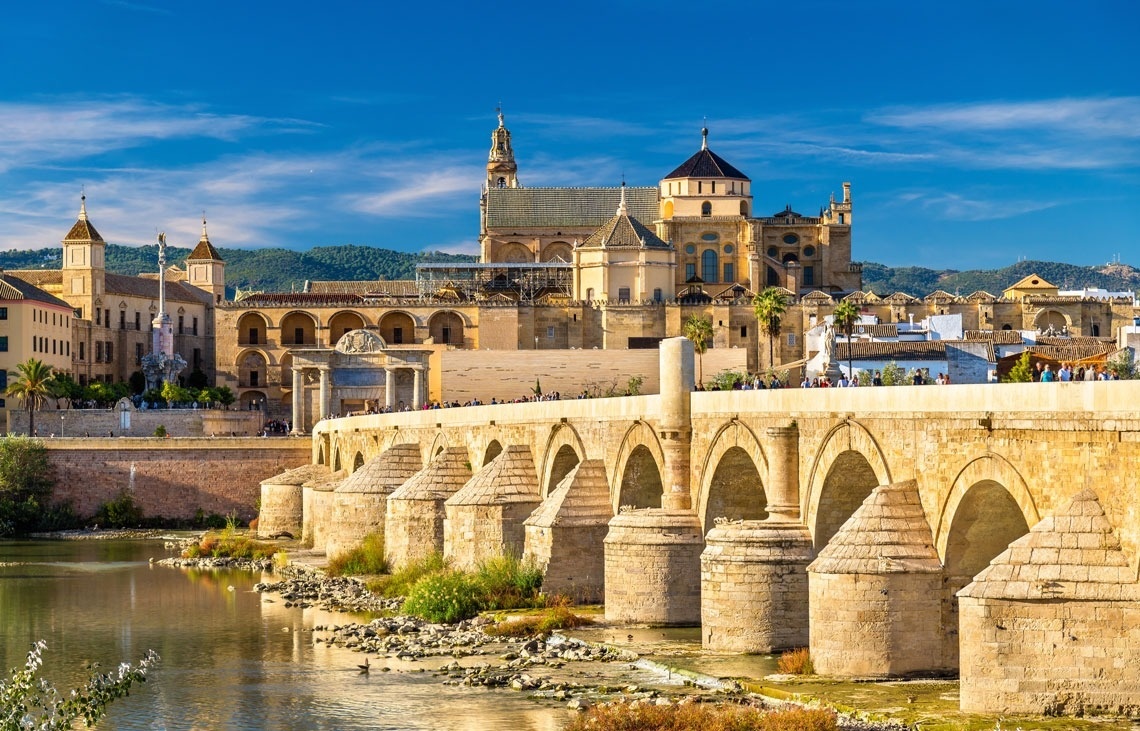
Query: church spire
[[622, 210], [82, 206], [502, 172], [704, 138]]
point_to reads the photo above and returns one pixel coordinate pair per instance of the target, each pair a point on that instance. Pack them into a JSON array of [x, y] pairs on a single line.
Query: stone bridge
[[853, 518]]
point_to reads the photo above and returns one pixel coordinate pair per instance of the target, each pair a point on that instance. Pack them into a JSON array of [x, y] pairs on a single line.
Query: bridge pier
[[282, 501], [414, 522], [360, 502]]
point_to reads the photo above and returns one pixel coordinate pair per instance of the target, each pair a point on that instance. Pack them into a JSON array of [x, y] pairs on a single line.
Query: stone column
[[324, 401], [390, 388], [298, 401], [784, 474], [675, 429], [418, 387]]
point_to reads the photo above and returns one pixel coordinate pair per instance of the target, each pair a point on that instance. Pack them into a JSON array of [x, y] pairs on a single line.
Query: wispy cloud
[[957, 207], [410, 193], [1103, 117]]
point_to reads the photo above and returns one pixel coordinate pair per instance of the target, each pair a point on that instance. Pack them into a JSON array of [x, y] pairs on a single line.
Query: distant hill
[[283, 270], [919, 282], [269, 270]]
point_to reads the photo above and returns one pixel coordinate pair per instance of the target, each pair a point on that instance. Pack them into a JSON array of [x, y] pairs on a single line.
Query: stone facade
[[317, 499], [282, 501], [414, 524], [361, 501]]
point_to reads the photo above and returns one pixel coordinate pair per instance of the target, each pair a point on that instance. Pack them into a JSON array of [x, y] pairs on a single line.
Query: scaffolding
[[518, 282]]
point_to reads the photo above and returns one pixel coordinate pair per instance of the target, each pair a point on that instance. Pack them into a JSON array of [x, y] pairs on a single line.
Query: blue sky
[[973, 133]]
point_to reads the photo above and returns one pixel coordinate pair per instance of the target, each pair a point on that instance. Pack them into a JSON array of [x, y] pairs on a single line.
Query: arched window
[[706, 209], [709, 266], [502, 182], [744, 208]]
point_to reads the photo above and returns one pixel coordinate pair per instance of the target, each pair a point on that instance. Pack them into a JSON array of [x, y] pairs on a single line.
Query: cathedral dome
[[706, 164]]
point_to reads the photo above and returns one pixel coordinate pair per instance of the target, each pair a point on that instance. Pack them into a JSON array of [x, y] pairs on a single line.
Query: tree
[[769, 306], [34, 385], [845, 317], [65, 388], [1022, 371], [25, 484], [29, 702], [700, 331]]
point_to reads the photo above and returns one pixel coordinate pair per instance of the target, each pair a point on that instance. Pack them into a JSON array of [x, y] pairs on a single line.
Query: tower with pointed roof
[[84, 272], [205, 268]]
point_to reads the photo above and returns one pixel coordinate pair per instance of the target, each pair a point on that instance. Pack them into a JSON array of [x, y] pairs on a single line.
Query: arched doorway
[[343, 322], [298, 328], [848, 483], [641, 480], [446, 328], [735, 491], [398, 328], [251, 400]]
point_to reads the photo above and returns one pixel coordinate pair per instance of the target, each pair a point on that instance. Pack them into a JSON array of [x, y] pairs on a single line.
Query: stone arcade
[[718, 502]]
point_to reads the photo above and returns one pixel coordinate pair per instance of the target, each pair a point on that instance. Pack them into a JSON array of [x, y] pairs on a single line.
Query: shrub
[[25, 484], [449, 596], [701, 717], [121, 512], [401, 582], [229, 545], [367, 558], [556, 617], [506, 582], [160, 431], [796, 662], [1022, 371]]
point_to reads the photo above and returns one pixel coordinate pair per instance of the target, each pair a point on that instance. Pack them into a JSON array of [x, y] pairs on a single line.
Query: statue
[[161, 364], [828, 343]]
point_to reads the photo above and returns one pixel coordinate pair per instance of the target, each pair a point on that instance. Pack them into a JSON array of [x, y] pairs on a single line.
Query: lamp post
[[61, 418], [536, 342]]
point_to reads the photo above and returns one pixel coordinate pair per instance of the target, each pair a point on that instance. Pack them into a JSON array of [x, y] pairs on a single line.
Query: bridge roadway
[[989, 461]]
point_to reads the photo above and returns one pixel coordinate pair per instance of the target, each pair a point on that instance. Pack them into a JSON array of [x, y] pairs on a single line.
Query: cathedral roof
[[519, 208], [83, 230], [624, 232], [706, 164]]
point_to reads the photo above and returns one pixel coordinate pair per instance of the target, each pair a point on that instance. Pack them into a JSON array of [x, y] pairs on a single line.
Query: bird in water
[[364, 668]]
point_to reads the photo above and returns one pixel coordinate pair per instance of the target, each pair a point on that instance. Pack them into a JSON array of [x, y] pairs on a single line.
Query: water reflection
[[231, 658]]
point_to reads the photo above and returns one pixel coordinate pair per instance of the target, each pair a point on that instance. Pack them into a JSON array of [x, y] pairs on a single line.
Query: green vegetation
[[120, 512], [701, 717], [770, 306], [230, 544], [796, 662], [25, 488], [845, 318], [160, 431], [918, 281], [402, 581], [33, 386], [367, 558], [1022, 371], [30, 702], [1122, 366], [555, 617], [444, 594], [727, 380], [700, 331]]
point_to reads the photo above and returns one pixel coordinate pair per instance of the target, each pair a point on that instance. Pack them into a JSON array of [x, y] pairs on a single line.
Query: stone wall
[[171, 478], [505, 375], [107, 422]]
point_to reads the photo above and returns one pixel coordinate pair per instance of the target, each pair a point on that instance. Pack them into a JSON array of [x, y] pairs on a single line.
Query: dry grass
[[701, 717], [367, 558], [229, 545], [796, 662], [558, 616]]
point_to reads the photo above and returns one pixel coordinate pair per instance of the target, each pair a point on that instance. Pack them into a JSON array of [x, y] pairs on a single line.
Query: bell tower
[[502, 172], [83, 267], [205, 268]]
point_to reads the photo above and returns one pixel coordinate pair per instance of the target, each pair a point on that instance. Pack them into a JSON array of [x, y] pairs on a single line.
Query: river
[[231, 658]]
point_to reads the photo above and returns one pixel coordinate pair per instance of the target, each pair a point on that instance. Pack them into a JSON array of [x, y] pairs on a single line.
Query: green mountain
[[268, 270], [919, 282], [284, 270]]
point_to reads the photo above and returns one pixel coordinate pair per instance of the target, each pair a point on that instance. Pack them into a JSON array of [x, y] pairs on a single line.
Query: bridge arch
[[963, 500], [357, 461], [731, 485], [438, 444], [564, 450], [848, 465], [637, 471], [494, 449]]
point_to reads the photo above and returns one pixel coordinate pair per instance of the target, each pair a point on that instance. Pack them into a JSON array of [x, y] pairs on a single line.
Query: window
[[53, 344], [729, 272], [623, 294], [791, 239], [98, 316], [3, 343], [254, 376], [706, 209], [81, 349], [299, 336], [698, 187], [690, 249], [253, 334], [35, 344], [138, 353], [181, 324], [98, 351], [79, 312], [108, 351], [772, 252], [744, 208], [67, 347], [137, 321], [791, 340], [690, 271], [194, 328], [122, 319], [743, 331], [842, 219], [501, 182], [809, 251], [3, 313], [657, 294], [107, 317], [550, 332], [709, 261], [445, 333], [590, 294], [709, 237], [809, 275], [398, 335], [728, 249]]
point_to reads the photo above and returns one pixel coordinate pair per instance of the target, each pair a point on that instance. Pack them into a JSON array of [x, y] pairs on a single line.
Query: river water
[[231, 658]]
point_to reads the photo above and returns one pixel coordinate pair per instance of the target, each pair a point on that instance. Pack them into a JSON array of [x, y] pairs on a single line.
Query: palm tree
[[700, 331], [34, 385], [845, 318], [769, 306]]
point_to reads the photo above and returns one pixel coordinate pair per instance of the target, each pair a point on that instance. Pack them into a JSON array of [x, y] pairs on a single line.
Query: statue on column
[[161, 365]]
